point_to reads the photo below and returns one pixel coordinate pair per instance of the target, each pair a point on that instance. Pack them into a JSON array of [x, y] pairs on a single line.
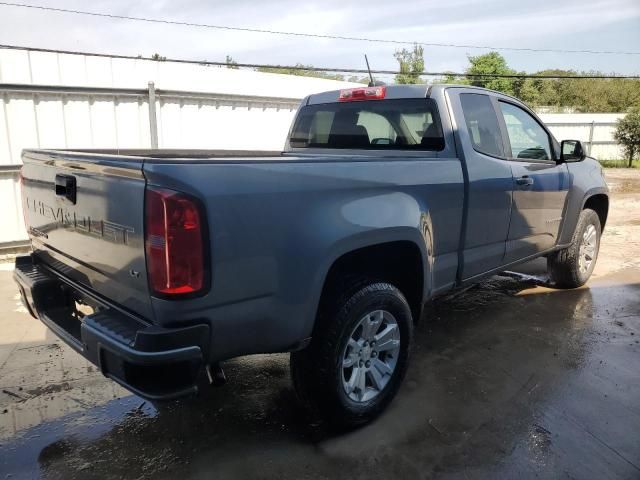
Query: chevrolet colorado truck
[[157, 265]]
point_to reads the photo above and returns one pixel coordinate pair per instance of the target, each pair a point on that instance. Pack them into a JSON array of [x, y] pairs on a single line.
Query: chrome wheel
[[370, 356], [588, 249]]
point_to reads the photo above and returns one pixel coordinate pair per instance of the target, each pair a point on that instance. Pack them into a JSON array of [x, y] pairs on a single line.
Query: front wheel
[[358, 355], [572, 267]]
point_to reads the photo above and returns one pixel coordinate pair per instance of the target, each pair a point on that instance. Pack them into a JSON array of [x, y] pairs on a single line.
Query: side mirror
[[571, 151]]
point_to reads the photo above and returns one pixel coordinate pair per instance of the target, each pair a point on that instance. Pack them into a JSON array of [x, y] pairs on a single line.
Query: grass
[[619, 163]]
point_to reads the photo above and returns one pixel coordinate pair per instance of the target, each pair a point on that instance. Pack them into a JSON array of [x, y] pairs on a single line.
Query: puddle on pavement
[[495, 369]]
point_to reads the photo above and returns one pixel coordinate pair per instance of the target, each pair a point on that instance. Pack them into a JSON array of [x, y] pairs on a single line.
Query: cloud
[[599, 24]]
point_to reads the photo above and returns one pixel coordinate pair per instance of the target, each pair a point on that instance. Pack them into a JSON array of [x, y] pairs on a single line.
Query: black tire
[[317, 371], [564, 266]]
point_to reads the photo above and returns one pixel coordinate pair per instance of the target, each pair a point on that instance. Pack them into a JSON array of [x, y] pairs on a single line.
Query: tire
[[320, 373], [568, 268]]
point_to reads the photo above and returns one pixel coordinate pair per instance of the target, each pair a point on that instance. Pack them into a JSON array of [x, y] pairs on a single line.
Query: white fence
[[73, 117], [595, 130], [77, 117]]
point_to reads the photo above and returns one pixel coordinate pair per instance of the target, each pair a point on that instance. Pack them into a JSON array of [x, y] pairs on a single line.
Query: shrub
[[628, 134]]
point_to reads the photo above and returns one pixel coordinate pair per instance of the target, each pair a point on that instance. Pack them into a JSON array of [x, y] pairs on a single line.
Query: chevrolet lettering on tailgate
[[63, 217]]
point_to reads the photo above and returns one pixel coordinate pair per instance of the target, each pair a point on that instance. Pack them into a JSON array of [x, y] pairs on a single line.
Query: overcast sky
[[569, 24]]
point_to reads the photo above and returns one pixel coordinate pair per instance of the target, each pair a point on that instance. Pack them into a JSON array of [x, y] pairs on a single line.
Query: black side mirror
[[571, 151]]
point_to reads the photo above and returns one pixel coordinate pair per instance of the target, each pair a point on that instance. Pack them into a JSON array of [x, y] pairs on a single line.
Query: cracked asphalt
[[508, 379]]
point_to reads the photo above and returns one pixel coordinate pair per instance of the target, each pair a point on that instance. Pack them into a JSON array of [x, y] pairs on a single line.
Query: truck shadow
[[487, 364]]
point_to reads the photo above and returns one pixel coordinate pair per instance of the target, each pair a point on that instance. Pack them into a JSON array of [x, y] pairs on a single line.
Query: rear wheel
[[358, 356], [572, 267]]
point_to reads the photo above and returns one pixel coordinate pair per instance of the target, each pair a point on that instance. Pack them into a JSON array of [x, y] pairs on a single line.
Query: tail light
[[362, 93], [174, 243]]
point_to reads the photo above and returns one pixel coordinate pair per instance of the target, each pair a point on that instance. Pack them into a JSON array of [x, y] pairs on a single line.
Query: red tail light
[[362, 93], [174, 243]]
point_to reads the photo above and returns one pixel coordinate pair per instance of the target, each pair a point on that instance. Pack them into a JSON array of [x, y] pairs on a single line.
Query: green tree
[[231, 63], [411, 64], [158, 58], [579, 94], [491, 63], [356, 79], [449, 77], [584, 94], [527, 90], [575, 94], [627, 133]]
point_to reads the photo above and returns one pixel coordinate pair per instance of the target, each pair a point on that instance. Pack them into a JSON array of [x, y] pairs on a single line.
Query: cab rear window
[[403, 124]]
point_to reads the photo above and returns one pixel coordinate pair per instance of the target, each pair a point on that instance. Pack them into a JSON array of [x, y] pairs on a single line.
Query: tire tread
[[313, 369]]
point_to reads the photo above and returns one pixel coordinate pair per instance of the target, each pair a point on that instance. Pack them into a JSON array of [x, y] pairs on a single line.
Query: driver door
[[540, 184]]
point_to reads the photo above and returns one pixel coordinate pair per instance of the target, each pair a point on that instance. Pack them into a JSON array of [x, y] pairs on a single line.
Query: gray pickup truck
[[157, 265]]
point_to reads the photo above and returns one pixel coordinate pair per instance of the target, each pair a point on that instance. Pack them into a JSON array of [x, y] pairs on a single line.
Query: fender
[[572, 214], [594, 191], [418, 231], [586, 181]]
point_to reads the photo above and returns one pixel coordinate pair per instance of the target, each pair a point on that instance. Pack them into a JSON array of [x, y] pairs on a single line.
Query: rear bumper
[[153, 362]]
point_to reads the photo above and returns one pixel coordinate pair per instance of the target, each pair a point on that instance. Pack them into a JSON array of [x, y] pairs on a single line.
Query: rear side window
[[482, 124], [403, 124]]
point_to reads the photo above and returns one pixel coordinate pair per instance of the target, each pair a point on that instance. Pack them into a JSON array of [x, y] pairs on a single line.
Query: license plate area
[[71, 312], [82, 309]]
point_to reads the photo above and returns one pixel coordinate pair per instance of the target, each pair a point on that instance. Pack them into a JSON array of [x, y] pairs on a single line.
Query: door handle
[[525, 180], [66, 187]]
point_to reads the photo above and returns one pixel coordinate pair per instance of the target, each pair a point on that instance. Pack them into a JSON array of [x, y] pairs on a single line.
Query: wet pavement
[[507, 379]]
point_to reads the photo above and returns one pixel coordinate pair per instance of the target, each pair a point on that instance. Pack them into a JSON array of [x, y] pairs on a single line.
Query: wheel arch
[[404, 263], [598, 202], [395, 229], [577, 201]]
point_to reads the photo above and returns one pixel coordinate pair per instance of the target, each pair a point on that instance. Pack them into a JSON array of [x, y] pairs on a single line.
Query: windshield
[[404, 124]]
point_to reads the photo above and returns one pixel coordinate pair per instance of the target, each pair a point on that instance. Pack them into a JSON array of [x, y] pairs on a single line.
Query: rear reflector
[[174, 243], [362, 93]]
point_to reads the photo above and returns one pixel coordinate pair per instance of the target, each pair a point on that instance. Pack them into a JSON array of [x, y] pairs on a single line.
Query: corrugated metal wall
[[189, 121]]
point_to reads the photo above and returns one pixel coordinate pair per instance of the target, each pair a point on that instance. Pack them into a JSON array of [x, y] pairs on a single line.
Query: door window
[[482, 124], [527, 137]]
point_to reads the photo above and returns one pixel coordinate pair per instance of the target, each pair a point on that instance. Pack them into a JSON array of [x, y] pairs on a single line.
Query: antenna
[[372, 83]]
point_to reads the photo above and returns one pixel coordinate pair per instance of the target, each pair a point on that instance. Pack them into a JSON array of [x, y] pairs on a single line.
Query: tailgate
[[85, 216]]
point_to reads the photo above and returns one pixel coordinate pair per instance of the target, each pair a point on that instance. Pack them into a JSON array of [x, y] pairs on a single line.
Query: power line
[[320, 69], [309, 35]]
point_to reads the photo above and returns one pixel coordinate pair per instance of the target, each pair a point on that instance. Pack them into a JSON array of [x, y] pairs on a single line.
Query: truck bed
[[232, 156], [179, 153], [93, 154]]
